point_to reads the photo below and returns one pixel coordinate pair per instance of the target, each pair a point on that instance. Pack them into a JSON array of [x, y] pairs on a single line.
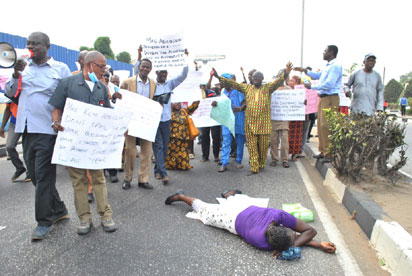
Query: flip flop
[[169, 199]]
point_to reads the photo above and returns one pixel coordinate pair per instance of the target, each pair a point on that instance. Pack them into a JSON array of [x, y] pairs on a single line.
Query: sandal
[[285, 164]]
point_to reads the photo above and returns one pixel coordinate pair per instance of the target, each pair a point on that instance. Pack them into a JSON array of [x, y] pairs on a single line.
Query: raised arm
[[243, 74], [280, 78], [183, 75], [139, 59], [238, 86]]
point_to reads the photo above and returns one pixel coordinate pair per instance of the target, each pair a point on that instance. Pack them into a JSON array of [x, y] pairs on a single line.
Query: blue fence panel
[[62, 54]]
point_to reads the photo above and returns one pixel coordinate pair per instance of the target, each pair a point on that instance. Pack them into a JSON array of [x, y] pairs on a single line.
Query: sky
[[254, 34]]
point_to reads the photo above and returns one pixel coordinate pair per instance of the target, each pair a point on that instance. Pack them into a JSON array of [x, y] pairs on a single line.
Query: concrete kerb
[[392, 242]]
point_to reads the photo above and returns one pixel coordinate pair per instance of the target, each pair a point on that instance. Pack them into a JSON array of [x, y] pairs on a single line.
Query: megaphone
[[10, 55]]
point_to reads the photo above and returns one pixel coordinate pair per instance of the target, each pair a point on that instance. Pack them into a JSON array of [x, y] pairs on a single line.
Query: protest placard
[[223, 113], [145, 116], [93, 136], [288, 105], [312, 101], [188, 90], [165, 51], [201, 117]]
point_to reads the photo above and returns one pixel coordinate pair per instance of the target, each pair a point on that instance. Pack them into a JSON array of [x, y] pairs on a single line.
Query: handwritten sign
[[93, 136], [188, 90], [145, 116], [312, 101], [201, 117], [288, 105], [165, 51]]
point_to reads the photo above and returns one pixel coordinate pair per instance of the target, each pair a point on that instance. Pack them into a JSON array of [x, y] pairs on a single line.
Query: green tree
[[406, 78], [123, 57], [102, 44], [82, 48], [351, 69], [392, 91], [408, 89]]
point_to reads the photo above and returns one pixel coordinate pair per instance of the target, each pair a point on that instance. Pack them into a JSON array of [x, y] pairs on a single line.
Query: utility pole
[[302, 33]]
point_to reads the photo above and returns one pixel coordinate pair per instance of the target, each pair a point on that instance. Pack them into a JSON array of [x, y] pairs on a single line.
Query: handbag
[[192, 129]]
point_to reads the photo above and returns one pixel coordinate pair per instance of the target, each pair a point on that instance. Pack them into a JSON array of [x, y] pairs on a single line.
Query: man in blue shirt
[[403, 102], [164, 89], [39, 80], [238, 106], [330, 83]]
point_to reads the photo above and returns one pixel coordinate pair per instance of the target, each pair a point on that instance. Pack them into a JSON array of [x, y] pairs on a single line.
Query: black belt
[[327, 95]]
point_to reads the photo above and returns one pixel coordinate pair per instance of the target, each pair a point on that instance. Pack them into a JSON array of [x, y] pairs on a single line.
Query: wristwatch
[[54, 122]]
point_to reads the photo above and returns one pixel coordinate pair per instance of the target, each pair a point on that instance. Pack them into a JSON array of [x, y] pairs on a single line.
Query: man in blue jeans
[[238, 106], [164, 88]]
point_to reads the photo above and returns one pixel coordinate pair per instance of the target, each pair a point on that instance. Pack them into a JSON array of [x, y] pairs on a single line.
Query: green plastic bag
[[298, 211]]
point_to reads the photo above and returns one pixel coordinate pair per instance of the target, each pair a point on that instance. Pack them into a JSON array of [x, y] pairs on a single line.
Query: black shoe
[[126, 185], [318, 156], [145, 185], [17, 174], [169, 199], [90, 197], [114, 179]]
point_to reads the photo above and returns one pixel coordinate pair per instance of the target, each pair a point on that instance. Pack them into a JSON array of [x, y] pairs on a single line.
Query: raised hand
[[289, 67], [186, 52], [214, 73]]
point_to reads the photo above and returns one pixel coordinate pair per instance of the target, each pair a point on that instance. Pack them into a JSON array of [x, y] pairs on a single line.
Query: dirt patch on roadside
[[393, 194]]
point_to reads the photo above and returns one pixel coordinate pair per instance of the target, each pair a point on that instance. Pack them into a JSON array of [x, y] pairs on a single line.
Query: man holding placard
[[87, 88], [142, 85], [164, 89], [257, 122]]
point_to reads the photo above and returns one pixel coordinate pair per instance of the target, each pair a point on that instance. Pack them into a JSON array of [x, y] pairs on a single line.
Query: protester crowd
[[40, 88]]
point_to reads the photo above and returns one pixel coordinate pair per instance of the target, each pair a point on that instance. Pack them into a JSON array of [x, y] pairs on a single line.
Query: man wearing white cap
[[367, 88]]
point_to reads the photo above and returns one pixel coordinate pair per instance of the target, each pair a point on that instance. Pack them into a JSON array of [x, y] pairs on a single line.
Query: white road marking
[[2, 227], [344, 256]]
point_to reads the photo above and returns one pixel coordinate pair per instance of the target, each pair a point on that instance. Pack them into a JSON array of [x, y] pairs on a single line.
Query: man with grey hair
[[367, 88], [38, 82], [257, 122], [80, 87]]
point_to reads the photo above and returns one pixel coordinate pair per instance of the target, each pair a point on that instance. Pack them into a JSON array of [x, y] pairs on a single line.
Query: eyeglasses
[[101, 66]]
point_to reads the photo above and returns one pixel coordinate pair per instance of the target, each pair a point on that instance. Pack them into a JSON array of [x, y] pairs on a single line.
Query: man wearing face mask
[[258, 125], [87, 88], [143, 85], [38, 83]]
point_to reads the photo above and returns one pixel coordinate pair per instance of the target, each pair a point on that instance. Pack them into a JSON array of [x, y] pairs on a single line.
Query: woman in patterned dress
[[295, 128], [178, 149]]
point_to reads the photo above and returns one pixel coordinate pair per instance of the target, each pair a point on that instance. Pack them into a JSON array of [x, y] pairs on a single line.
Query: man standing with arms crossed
[[38, 81], [330, 83]]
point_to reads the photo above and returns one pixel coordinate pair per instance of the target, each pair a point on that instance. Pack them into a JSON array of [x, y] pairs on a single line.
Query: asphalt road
[[153, 239]]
